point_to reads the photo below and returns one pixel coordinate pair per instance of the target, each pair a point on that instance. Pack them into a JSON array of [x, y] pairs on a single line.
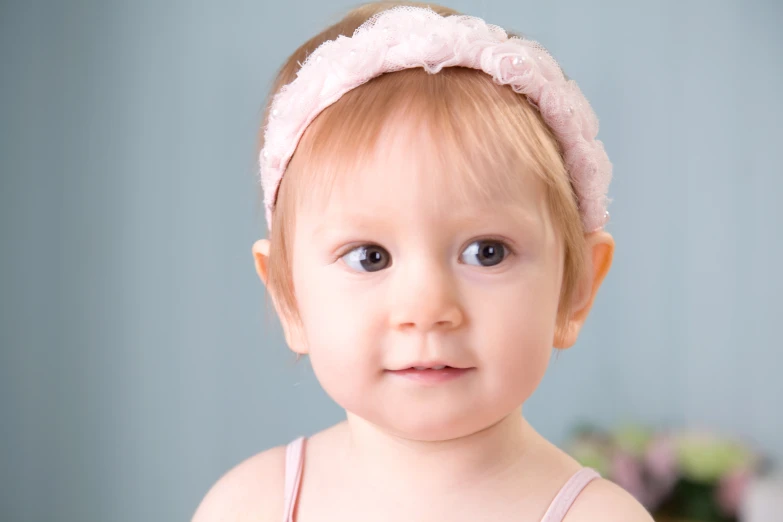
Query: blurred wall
[[138, 360]]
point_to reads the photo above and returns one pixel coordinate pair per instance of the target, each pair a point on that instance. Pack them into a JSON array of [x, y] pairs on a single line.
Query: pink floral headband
[[406, 37]]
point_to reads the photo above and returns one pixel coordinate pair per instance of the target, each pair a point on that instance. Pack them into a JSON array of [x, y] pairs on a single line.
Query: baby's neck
[[485, 458]]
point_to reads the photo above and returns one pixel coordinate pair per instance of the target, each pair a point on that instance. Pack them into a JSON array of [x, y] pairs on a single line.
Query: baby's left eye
[[485, 253]]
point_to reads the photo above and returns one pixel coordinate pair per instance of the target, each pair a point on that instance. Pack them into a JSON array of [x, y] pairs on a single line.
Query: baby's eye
[[367, 258], [485, 253]]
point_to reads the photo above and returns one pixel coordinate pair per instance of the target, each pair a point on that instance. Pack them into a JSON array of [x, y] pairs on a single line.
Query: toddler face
[[400, 268]]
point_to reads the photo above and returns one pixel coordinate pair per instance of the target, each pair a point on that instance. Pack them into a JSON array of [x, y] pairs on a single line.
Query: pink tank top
[[294, 460]]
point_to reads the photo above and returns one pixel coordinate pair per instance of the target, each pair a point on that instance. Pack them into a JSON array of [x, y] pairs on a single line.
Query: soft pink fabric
[[562, 502], [405, 37], [568, 493], [294, 462]]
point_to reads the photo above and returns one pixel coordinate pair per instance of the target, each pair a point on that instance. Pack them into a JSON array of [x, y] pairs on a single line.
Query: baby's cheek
[[520, 346], [341, 350]]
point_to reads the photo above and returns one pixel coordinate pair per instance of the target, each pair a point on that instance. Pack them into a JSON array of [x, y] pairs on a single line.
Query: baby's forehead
[[408, 178], [410, 160]]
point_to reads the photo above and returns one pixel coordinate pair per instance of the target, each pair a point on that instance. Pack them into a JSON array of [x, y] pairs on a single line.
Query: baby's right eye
[[367, 258]]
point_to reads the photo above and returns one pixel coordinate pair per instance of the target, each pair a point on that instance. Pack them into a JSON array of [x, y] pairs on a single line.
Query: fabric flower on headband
[[407, 37]]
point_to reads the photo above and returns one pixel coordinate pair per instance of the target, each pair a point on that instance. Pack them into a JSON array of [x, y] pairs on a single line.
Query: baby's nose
[[425, 302]]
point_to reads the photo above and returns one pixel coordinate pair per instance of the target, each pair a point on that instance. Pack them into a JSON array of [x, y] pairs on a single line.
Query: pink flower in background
[[626, 471], [650, 476], [731, 490], [661, 459], [716, 473]]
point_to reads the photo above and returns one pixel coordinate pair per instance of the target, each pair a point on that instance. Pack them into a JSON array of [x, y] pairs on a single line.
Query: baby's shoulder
[[606, 501], [250, 491]]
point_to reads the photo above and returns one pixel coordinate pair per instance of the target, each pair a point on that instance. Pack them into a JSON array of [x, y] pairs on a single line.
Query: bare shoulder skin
[[254, 489], [251, 491]]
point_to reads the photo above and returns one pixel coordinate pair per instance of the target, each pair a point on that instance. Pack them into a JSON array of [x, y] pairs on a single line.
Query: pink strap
[[294, 463], [568, 493], [293, 475]]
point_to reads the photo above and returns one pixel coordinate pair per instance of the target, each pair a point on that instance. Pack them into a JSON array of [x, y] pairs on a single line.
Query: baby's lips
[[430, 365]]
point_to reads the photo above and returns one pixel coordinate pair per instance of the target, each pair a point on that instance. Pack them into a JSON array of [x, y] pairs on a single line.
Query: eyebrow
[[355, 220], [522, 217]]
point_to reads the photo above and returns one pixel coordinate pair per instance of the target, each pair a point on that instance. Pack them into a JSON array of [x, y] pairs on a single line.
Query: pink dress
[[557, 509]]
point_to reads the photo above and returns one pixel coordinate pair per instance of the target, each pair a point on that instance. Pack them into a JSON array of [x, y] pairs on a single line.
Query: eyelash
[[510, 251]]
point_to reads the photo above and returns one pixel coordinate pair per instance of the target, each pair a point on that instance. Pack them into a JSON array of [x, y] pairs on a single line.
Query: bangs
[[487, 138]]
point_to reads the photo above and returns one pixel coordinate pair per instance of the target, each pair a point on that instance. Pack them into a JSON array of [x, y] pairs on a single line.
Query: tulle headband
[[406, 37]]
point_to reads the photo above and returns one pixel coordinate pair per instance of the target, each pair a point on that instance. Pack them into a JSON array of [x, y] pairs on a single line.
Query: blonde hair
[[481, 127]]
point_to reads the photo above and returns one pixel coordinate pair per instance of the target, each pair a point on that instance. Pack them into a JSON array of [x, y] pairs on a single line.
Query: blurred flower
[[690, 474], [705, 458], [633, 439], [661, 458], [626, 471], [731, 490], [592, 454]]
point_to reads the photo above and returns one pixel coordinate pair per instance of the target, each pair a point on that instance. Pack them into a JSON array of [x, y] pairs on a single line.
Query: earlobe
[[261, 258], [293, 333], [600, 252], [296, 341]]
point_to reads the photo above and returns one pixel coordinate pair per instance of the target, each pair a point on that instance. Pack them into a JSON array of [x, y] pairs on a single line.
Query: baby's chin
[[434, 425], [437, 432]]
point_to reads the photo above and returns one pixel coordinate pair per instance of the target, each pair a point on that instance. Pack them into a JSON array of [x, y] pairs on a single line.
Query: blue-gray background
[[138, 362]]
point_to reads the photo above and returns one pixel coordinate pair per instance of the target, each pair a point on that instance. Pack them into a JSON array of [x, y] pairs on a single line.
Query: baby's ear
[[261, 258], [291, 329], [600, 250]]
